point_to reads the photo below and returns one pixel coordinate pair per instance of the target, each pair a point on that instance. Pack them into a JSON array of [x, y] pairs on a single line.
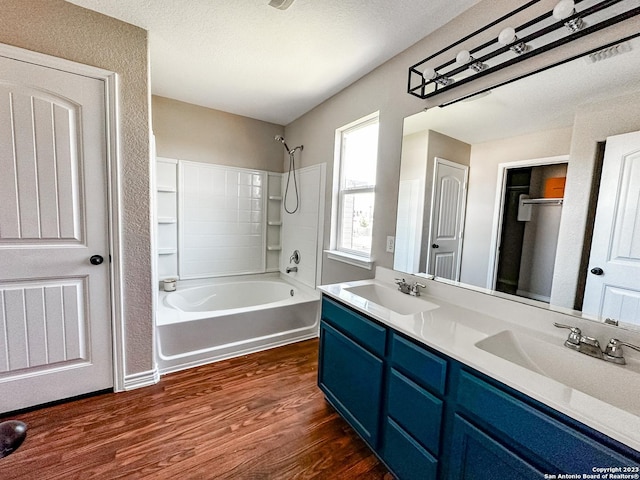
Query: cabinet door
[[351, 378], [476, 456]]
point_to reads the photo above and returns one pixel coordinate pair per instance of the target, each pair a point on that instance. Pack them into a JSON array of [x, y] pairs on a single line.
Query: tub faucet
[[292, 269]]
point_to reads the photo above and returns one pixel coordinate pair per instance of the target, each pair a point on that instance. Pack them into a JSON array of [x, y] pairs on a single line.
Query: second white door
[[447, 219], [613, 280]]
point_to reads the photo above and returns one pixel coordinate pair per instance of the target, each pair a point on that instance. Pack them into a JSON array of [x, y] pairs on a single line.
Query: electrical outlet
[[391, 244]]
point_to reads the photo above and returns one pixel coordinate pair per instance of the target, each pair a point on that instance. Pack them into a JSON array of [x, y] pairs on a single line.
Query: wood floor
[[256, 417]]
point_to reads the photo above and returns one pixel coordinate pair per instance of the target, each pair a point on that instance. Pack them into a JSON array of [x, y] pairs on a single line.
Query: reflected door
[[55, 312], [447, 218], [613, 281]]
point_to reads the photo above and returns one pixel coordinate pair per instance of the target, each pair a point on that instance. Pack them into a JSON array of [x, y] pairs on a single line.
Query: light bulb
[[507, 36], [564, 9], [429, 73], [463, 57]]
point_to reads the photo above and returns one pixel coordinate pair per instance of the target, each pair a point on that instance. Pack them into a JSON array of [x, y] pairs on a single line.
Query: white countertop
[[454, 330]]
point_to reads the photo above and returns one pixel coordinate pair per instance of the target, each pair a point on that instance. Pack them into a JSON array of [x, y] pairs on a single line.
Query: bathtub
[[203, 322]]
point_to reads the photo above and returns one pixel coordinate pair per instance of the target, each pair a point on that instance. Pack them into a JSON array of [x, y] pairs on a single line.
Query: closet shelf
[[274, 224], [542, 201], [167, 220], [166, 188], [274, 248]]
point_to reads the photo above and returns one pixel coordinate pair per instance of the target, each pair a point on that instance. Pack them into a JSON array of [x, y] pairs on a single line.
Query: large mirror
[[532, 190]]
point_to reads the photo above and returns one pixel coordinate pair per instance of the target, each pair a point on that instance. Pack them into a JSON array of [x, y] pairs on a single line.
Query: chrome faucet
[[409, 288], [292, 269], [403, 286], [590, 346], [414, 289], [581, 343], [613, 352]]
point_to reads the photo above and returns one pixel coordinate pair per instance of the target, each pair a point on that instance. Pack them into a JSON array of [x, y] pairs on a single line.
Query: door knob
[[597, 271], [96, 259], [435, 245]]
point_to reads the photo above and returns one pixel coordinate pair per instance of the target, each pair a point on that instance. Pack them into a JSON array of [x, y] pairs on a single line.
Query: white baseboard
[[141, 379]]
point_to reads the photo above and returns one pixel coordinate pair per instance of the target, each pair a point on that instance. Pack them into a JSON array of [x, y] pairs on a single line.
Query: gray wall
[[190, 132]]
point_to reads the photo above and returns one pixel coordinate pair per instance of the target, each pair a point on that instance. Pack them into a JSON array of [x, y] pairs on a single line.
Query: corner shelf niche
[[166, 217], [274, 221]]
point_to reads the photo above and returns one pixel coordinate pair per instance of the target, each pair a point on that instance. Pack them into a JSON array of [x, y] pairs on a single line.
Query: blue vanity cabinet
[[350, 369], [474, 455], [414, 409], [498, 427], [428, 416]]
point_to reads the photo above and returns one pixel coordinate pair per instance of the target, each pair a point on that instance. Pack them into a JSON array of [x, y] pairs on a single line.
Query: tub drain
[[291, 292]]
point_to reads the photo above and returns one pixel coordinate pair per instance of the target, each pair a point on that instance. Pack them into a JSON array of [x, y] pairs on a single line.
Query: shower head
[[280, 138]]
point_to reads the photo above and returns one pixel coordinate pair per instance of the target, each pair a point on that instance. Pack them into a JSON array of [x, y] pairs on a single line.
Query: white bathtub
[[203, 322]]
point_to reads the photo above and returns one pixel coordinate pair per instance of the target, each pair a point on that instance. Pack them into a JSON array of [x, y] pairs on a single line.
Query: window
[[358, 154]]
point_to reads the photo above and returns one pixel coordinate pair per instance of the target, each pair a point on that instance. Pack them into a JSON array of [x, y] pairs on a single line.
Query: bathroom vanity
[[442, 391]]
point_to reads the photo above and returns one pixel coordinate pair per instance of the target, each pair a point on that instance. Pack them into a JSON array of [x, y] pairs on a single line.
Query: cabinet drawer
[[351, 377], [364, 331], [476, 455], [422, 366], [415, 410], [406, 458], [546, 438]]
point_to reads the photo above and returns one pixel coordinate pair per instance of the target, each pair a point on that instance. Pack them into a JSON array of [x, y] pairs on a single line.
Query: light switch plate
[[391, 244]]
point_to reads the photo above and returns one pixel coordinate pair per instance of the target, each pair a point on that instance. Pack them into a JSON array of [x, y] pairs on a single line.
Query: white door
[[55, 312], [613, 281], [447, 219]]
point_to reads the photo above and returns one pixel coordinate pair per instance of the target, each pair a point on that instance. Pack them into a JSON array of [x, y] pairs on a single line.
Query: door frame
[[498, 209], [114, 207], [463, 211]]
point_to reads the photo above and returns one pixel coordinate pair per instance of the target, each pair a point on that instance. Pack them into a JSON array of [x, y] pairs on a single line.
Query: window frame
[[342, 191]]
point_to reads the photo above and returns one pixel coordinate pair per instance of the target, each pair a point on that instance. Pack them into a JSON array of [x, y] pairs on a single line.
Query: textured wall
[[57, 28], [190, 132]]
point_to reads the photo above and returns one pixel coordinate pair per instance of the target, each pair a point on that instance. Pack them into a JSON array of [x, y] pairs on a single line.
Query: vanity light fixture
[[430, 74], [544, 30], [465, 58], [508, 38], [564, 10]]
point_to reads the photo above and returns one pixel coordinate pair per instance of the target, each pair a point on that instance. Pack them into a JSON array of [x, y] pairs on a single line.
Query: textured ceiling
[[245, 57]]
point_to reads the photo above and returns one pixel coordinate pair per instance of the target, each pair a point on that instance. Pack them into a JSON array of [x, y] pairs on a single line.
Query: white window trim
[[355, 260], [352, 257]]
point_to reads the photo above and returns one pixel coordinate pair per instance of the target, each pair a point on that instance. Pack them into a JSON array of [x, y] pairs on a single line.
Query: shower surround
[[224, 233]]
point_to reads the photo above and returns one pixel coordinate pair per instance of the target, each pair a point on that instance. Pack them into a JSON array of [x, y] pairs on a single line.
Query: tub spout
[[292, 269]]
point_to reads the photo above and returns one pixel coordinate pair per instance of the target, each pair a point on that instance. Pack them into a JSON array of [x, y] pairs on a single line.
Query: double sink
[[613, 384]]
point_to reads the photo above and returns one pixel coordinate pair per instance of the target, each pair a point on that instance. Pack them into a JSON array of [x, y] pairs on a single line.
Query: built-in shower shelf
[[166, 188], [167, 251], [274, 224], [276, 198], [167, 220], [274, 248]]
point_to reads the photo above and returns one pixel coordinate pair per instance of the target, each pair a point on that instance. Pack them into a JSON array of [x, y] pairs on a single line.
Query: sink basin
[[392, 299], [613, 384]]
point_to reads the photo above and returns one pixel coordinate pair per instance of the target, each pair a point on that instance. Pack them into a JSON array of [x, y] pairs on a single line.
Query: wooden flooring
[[256, 417]]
